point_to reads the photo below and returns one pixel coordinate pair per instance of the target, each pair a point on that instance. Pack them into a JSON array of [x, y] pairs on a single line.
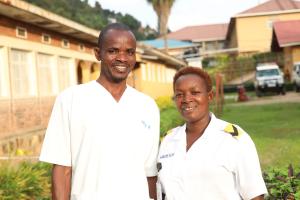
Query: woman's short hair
[[196, 71]]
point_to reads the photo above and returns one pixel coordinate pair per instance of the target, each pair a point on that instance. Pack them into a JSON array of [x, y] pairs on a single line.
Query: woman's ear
[[97, 53]]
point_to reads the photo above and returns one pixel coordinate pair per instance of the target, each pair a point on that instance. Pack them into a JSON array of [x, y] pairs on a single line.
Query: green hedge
[[30, 181], [26, 181]]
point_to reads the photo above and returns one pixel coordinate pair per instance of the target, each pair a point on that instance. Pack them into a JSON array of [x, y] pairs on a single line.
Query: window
[[143, 67], [65, 43], [81, 47], [46, 74], [64, 65], [4, 75], [46, 38], [23, 74], [149, 75], [21, 32]]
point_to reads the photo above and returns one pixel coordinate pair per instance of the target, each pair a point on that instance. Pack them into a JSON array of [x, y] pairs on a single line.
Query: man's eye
[[112, 51], [130, 52]]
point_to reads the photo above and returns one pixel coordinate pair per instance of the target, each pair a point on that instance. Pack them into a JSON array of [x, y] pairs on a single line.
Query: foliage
[[269, 57], [282, 183], [25, 182], [164, 102], [169, 116], [162, 9], [95, 17]]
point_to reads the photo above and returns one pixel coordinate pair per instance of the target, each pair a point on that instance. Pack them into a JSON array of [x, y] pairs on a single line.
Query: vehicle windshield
[[267, 72]]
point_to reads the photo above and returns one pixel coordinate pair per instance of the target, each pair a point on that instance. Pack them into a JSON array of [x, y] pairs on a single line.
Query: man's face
[[117, 55]]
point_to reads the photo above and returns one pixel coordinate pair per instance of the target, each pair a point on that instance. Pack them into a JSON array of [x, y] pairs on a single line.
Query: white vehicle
[[296, 76], [268, 78]]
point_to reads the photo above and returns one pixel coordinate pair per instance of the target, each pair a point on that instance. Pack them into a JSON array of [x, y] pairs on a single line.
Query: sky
[[184, 12]]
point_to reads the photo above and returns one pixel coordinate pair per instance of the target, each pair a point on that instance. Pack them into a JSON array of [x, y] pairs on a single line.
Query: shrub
[[27, 181], [164, 102], [169, 118], [282, 183]]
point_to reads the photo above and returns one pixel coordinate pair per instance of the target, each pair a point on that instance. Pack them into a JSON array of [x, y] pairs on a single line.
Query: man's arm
[[152, 186], [61, 182], [261, 197]]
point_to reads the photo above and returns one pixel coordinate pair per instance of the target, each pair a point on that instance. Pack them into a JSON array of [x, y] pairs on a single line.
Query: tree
[[163, 10]]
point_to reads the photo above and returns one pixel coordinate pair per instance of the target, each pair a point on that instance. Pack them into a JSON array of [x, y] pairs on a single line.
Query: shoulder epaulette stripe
[[233, 130]]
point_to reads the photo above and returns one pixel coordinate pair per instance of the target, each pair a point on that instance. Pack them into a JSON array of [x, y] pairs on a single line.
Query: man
[[103, 136]]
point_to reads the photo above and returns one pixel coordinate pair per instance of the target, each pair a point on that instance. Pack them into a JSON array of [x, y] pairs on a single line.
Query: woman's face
[[191, 98]]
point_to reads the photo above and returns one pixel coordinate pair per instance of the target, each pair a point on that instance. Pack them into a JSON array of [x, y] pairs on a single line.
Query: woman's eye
[[195, 92], [178, 95]]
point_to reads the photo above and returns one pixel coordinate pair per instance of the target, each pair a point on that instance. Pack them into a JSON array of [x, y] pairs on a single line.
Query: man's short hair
[[196, 71], [113, 26]]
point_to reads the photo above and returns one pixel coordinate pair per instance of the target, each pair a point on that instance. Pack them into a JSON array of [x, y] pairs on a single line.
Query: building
[[286, 39], [209, 37], [251, 31], [41, 54], [179, 49]]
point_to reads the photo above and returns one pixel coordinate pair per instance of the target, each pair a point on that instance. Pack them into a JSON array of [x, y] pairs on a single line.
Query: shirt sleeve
[[150, 164], [249, 176], [56, 145]]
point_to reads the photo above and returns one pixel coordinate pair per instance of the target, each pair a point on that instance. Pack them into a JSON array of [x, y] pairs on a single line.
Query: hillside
[[94, 16]]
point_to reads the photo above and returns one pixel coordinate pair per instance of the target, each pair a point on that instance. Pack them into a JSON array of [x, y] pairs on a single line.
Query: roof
[[287, 32], [37, 16], [272, 6], [159, 43], [149, 52], [31, 14], [200, 33]]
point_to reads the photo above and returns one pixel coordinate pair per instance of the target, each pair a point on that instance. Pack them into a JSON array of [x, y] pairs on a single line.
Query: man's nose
[[122, 57]]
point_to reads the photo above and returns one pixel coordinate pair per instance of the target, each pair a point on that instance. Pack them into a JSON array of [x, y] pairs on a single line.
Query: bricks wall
[[34, 33], [23, 123]]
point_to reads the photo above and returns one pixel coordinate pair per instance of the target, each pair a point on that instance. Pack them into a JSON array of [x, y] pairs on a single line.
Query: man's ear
[[210, 96], [97, 53]]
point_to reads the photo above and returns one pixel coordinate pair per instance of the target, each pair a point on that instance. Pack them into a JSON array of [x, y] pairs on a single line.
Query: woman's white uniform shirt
[[218, 166]]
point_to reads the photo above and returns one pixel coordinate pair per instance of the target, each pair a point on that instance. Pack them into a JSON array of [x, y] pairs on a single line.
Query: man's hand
[[152, 186], [61, 182]]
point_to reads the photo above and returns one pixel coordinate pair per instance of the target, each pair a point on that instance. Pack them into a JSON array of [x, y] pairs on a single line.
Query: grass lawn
[[275, 129]]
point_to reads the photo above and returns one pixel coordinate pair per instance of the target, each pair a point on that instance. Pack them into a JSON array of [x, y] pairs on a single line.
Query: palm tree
[[163, 10]]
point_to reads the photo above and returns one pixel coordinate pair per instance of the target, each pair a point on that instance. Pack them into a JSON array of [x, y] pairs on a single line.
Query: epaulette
[[233, 130]]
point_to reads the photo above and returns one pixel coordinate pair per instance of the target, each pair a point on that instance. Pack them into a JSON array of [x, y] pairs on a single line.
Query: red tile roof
[[287, 32], [200, 33], [272, 6]]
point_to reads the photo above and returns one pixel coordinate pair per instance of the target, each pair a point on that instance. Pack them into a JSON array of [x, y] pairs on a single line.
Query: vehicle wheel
[[258, 93], [297, 88], [283, 91]]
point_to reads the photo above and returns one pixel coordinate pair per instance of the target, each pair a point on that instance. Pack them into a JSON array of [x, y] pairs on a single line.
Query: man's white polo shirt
[[111, 146], [218, 166]]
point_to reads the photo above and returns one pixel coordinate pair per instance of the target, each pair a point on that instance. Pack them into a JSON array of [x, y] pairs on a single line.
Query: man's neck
[[115, 89]]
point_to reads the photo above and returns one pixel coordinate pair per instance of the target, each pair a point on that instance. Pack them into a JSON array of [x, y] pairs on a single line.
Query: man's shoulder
[[141, 97], [77, 90]]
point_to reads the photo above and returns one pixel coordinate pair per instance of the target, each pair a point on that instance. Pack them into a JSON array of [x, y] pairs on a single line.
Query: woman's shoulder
[[174, 133]]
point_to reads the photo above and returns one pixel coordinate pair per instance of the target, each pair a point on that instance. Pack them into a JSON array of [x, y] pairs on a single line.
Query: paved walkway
[[289, 97]]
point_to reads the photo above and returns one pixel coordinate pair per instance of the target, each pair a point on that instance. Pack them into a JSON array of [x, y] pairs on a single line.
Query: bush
[[164, 102], [282, 183], [169, 118], [27, 181]]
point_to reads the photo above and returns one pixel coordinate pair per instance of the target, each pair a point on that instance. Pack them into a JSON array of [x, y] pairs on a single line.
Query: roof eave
[[37, 16]]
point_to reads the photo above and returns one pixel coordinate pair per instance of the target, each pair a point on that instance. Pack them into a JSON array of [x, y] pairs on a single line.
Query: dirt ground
[[288, 97]]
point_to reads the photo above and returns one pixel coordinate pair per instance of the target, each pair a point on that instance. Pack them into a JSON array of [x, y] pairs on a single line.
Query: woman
[[206, 158]]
